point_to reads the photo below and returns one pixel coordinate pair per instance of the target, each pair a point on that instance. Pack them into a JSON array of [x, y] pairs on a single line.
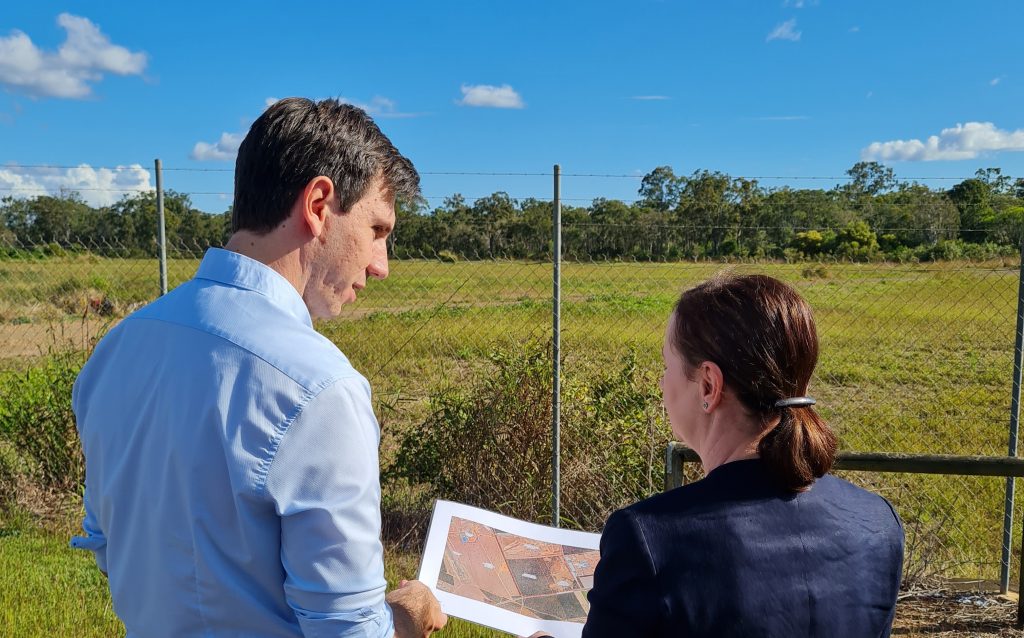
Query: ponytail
[[800, 449]]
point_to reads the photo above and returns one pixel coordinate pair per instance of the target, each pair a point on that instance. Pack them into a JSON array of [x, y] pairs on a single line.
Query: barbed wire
[[43, 189], [486, 173], [75, 189]]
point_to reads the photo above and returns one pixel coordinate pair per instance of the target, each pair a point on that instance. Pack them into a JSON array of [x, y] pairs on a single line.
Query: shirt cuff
[[96, 544], [368, 622]]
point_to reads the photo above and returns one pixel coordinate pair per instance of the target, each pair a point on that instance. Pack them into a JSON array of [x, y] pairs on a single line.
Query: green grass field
[[914, 358], [49, 589]]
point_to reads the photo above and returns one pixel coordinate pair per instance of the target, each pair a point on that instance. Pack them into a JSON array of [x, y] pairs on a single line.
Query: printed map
[[528, 577]]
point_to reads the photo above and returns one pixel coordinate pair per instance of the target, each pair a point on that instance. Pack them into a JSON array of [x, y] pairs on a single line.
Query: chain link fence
[[915, 358]]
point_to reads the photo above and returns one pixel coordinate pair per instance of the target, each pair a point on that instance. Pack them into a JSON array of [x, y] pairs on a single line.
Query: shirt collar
[[233, 269]]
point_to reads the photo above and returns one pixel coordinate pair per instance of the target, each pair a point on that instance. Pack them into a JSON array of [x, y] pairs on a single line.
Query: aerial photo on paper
[[523, 575]]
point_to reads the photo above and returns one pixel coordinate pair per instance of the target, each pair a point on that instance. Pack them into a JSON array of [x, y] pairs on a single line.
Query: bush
[[489, 445], [945, 249], [37, 421], [10, 471], [816, 271], [905, 255], [486, 445]]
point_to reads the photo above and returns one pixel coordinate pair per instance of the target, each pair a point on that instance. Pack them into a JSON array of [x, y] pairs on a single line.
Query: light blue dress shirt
[[232, 477]]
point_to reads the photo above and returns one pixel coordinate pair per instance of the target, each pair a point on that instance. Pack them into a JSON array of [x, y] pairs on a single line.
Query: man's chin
[[329, 308]]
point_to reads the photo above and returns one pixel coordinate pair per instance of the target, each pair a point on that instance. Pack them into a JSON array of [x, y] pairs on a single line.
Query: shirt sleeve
[[625, 600], [324, 482], [94, 539]]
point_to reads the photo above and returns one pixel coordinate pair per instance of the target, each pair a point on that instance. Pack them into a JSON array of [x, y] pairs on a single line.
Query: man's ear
[[712, 384], [314, 203]]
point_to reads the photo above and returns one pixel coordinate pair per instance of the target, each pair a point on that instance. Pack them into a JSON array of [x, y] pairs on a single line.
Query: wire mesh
[[915, 357]]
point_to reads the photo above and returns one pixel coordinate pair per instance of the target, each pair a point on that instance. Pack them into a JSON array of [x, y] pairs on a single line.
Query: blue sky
[[790, 88]]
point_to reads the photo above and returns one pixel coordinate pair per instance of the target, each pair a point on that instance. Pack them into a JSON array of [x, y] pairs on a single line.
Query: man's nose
[[378, 268]]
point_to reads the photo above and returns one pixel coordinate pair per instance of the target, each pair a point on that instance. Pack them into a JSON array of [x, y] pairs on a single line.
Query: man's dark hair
[[294, 141], [761, 334]]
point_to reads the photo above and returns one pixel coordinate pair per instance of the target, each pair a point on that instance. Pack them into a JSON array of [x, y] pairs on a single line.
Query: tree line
[[706, 214]]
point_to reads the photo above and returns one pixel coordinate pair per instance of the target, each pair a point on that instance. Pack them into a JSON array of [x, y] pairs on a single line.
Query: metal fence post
[[1004, 566], [161, 228], [556, 336]]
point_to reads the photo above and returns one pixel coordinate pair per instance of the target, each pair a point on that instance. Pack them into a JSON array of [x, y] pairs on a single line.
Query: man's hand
[[415, 609]]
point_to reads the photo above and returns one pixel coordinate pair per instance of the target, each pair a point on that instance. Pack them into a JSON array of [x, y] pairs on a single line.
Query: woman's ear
[[712, 384]]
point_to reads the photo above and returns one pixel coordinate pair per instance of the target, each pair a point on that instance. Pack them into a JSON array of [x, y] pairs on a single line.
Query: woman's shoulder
[[837, 491], [744, 486], [710, 492]]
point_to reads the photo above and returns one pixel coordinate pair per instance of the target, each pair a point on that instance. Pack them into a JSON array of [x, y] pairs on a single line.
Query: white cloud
[[995, 81], [651, 97], [485, 95], [854, 29], [379, 107], [98, 186], [270, 101], [223, 149], [785, 31], [81, 60], [963, 141]]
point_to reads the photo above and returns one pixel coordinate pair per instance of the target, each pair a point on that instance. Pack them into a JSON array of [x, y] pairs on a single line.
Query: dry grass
[[948, 612]]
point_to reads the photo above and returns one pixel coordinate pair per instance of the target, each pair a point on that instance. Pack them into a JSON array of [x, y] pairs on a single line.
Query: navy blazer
[[735, 555]]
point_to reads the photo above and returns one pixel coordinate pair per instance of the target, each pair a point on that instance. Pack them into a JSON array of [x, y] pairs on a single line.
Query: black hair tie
[[795, 402]]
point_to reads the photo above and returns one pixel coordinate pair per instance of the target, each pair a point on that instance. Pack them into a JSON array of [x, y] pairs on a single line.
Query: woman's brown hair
[[761, 334]]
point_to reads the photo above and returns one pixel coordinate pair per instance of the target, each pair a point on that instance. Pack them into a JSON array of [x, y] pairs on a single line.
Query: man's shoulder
[[243, 323]]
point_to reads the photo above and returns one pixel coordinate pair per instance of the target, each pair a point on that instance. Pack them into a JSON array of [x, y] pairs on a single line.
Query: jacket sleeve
[[898, 544], [626, 599], [324, 483]]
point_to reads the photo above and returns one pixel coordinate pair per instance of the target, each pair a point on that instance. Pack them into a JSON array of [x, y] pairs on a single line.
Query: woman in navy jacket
[[766, 544]]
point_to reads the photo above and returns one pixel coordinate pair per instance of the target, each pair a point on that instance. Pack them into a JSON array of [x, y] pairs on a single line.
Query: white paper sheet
[[508, 574]]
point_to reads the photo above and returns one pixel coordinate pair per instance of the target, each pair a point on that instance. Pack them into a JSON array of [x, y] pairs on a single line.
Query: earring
[[705, 406]]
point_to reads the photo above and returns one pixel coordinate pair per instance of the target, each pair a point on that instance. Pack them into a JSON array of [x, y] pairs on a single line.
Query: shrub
[[904, 255], [857, 242], [490, 444], [37, 421], [815, 271], [945, 249], [10, 471], [485, 445], [613, 442]]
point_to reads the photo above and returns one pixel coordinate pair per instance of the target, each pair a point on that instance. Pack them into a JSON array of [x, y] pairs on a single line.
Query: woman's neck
[[731, 435], [721, 451]]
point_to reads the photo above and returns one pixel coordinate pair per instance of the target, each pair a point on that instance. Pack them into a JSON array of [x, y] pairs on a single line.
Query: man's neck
[[270, 250]]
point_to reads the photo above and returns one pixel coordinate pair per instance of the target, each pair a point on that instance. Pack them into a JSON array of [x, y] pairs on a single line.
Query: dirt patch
[[36, 339], [950, 613]]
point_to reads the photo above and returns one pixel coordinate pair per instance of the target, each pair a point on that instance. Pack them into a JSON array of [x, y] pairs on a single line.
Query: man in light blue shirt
[[232, 479]]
